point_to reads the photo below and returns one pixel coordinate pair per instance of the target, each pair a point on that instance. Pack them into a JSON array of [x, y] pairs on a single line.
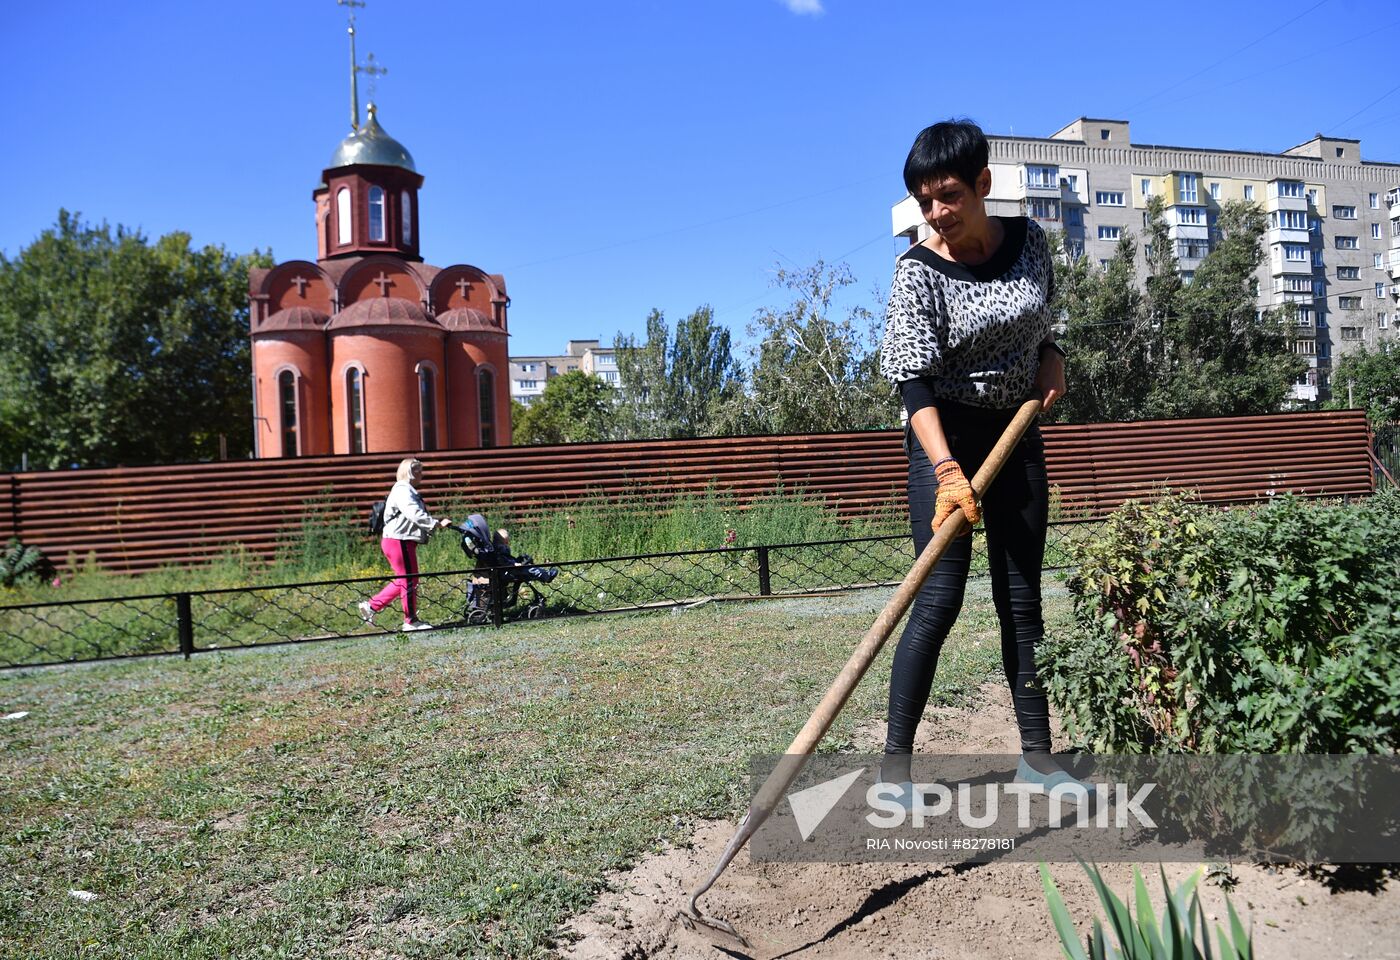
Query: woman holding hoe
[[967, 340]]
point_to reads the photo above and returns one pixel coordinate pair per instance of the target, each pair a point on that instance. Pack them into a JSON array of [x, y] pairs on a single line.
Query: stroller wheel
[[478, 617], [534, 611]]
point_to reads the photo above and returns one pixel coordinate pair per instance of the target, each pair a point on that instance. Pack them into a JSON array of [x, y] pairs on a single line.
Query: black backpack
[[377, 516]]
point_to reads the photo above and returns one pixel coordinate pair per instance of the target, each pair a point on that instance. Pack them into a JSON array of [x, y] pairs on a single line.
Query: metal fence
[[44, 634], [1386, 450]]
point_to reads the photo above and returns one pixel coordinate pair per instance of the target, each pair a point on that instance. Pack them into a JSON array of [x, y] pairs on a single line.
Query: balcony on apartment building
[[1286, 195], [1392, 201]]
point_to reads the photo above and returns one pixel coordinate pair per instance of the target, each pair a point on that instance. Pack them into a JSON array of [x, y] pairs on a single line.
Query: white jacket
[[405, 516]]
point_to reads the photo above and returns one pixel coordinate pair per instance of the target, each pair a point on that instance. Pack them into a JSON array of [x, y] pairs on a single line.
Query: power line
[[1368, 106], [1223, 59]]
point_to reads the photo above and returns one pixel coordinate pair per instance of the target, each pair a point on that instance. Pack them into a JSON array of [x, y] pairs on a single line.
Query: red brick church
[[369, 349]]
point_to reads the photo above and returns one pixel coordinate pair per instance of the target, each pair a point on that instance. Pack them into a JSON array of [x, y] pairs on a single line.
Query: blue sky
[[617, 156]]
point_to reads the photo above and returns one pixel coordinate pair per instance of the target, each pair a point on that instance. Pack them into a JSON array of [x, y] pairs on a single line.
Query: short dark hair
[[955, 147]]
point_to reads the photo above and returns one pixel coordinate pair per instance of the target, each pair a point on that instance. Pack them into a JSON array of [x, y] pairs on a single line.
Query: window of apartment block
[[1192, 249], [1289, 220], [1146, 187], [1317, 258], [1188, 275], [1345, 243], [1289, 188], [1305, 348], [1382, 320], [1380, 291], [1043, 177], [1103, 266], [1376, 261], [1395, 227], [1319, 287], [1072, 181], [1375, 201], [1110, 233], [1349, 303], [1375, 231], [1075, 249], [1074, 217], [1109, 198], [1215, 191], [1043, 208], [1344, 213], [1186, 185], [1249, 191], [1190, 215], [1312, 197], [1296, 252], [1348, 273], [1351, 333], [1103, 133]]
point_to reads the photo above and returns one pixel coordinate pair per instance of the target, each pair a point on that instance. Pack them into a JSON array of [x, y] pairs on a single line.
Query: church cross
[[463, 285], [384, 283], [300, 283]]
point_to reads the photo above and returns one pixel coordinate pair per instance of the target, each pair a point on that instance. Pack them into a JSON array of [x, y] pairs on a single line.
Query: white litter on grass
[[15, 716], [86, 896]]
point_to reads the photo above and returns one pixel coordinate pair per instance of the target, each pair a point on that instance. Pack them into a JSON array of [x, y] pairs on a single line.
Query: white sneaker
[[412, 625], [366, 612]]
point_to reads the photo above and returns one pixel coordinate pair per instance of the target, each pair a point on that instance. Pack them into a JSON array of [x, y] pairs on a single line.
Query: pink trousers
[[403, 558]]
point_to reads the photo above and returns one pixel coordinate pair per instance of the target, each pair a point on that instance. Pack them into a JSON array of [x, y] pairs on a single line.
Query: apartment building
[[1333, 238], [528, 375]]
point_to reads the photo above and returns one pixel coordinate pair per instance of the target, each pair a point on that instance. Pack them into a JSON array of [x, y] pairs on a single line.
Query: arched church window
[[427, 405], [376, 213], [342, 214], [406, 208], [287, 404], [486, 404], [355, 408]]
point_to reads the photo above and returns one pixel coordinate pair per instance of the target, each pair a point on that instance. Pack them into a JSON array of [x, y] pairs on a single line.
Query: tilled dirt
[[925, 911]]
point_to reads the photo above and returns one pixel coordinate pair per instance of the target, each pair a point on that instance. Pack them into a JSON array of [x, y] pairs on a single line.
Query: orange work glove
[[954, 493]]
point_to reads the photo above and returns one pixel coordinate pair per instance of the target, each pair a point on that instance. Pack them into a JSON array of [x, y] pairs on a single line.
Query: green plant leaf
[[1059, 916]]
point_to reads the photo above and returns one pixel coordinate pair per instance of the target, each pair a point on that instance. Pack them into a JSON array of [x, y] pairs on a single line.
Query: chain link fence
[[42, 634]]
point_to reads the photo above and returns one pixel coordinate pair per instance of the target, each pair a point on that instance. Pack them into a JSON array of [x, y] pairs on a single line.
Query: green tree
[[574, 408], [1108, 334], [676, 387], [813, 373], [1373, 377], [1222, 357], [117, 350]]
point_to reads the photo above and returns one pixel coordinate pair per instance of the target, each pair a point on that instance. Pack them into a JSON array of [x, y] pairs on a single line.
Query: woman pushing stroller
[[407, 523]]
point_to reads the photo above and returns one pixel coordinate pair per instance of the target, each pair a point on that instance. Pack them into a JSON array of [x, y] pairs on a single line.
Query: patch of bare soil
[[925, 911]]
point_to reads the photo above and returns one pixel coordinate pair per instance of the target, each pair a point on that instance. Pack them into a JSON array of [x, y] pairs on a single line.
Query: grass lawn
[[460, 793]]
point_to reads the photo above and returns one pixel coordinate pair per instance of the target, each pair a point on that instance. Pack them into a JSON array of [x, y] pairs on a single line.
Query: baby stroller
[[493, 550]]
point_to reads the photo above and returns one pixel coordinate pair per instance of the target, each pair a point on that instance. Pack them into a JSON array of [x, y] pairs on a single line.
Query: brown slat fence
[[140, 518]]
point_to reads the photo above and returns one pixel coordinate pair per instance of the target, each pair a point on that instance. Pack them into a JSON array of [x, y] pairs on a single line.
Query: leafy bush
[[19, 562], [1142, 937], [1266, 630]]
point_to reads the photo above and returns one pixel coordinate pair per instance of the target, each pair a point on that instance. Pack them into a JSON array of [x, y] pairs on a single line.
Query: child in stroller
[[493, 550]]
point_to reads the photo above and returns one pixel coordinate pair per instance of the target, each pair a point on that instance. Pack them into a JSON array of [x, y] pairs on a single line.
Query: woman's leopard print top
[[973, 331]]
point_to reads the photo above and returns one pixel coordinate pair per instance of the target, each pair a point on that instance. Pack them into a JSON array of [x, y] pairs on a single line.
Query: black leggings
[[1015, 511]]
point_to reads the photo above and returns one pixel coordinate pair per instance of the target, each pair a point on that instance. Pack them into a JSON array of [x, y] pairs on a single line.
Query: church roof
[[293, 318], [371, 145], [467, 318], [379, 312]]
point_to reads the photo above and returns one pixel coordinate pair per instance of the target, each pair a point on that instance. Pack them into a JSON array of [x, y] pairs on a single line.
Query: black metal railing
[[1386, 450], [42, 634]]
